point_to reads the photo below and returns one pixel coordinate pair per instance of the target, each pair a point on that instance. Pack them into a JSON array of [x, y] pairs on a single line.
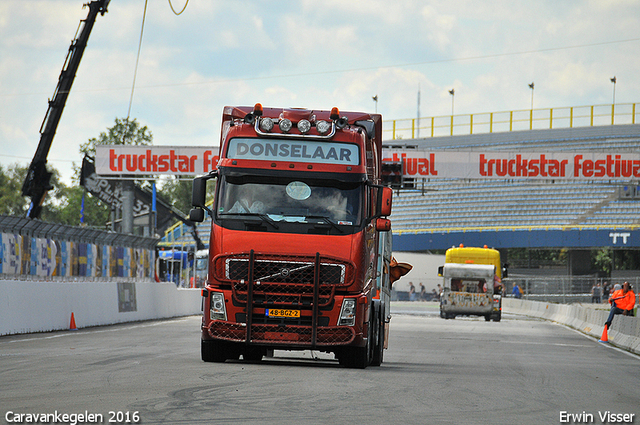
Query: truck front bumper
[[290, 335]]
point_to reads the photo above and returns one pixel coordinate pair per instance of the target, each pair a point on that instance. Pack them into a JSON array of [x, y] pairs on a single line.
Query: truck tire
[[497, 317], [358, 357], [213, 351], [378, 349]]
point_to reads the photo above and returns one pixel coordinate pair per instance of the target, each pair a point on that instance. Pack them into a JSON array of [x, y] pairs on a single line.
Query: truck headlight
[[217, 310], [348, 312]]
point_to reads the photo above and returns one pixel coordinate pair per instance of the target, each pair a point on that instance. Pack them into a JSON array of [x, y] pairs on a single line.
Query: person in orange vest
[[621, 302], [631, 302]]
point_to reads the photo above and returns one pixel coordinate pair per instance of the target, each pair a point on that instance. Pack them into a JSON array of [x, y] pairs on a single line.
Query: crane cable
[[178, 13], [135, 72]]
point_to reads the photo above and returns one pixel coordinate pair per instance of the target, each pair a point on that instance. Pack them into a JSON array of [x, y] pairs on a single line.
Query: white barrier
[[33, 306], [624, 331]]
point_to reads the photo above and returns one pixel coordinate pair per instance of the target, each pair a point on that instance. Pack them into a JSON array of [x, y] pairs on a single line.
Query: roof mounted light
[[335, 113], [304, 126], [323, 127], [266, 124], [257, 110], [285, 125]]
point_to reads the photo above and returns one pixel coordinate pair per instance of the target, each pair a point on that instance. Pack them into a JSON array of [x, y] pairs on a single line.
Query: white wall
[[32, 306], [588, 319], [425, 270]]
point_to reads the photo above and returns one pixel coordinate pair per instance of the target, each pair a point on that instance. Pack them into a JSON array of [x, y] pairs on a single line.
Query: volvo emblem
[[284, 272]]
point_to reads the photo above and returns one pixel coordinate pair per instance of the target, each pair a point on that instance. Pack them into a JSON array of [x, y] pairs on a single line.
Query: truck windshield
[[291, 200]]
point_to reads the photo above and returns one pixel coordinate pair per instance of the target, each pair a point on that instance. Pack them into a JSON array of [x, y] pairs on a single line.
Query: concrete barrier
[[588, 319], [34, 306]]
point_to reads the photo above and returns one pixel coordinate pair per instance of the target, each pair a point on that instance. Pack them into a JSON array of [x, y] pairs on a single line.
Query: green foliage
[[177, 193], [123, 132], [11, 200], [602, 261]]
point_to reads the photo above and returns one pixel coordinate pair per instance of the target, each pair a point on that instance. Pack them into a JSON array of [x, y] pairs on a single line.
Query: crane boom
[[37, 182]]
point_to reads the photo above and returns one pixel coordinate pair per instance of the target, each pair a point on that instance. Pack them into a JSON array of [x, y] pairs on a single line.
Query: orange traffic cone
[[72, 324], [605, 336]]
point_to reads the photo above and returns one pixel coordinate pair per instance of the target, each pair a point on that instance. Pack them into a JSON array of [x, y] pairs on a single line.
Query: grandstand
[[427, 206]]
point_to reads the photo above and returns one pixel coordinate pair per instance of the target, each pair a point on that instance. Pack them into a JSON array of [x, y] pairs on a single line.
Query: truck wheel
[[358, 357], [378, 349], [497, 317], [213, 351], [487, 317]]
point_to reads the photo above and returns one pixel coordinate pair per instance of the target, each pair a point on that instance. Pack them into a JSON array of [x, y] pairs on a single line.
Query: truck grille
[[283, 280]]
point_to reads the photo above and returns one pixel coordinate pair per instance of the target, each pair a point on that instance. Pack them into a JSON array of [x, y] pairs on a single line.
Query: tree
[[602, 261], [13, 203], [177, 193], [11, 200], [123, 132]]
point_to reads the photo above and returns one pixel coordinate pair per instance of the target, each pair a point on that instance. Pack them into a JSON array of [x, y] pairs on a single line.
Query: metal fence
[[36, 250], [563, 289], [517, 120]]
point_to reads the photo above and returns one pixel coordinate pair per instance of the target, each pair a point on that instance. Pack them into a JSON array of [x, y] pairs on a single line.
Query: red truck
[[300, 247]]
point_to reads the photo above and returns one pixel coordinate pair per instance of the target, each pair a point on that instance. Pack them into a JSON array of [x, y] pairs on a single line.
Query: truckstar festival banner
[[180, 160], [154, 160], [516, 165]]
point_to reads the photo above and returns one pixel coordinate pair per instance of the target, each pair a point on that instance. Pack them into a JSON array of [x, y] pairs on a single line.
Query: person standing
[[606, 291], [412, 292], [596, 294], [516, 291]]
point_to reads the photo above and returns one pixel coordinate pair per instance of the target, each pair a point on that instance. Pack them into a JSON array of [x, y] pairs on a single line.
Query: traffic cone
[[605, 336], [72, 324]]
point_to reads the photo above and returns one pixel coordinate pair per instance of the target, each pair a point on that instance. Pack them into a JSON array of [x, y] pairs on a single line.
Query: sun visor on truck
[[249, 173]]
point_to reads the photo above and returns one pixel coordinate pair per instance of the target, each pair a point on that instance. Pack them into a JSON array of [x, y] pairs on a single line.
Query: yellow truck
[[472, 283]]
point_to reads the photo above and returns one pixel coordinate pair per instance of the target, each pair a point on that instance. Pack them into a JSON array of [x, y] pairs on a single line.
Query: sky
[[305, 53]]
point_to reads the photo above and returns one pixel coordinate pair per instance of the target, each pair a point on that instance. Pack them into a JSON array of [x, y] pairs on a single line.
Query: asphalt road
[[436, 371]]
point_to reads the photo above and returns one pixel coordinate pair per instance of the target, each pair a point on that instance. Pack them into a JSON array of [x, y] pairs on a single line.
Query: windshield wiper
[[263, 216], [326, 220]]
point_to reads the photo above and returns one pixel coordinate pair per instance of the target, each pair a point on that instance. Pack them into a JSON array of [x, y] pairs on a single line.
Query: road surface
[[436, 371]]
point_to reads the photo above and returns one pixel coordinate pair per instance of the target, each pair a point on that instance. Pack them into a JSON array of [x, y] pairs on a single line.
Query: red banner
[[516, 165]]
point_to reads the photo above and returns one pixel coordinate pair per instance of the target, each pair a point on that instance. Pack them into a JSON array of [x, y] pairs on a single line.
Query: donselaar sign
[[516, 165]]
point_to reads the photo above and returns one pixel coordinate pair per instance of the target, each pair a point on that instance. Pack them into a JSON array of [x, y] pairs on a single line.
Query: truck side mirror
[[199, 191], [385, 201], [383, 224], [196, 215]]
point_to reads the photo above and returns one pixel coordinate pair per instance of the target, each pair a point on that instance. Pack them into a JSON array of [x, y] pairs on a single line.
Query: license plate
[[278, 312]]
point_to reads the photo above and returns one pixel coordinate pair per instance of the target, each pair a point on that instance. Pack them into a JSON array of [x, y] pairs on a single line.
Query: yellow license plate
[[278, 312]]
